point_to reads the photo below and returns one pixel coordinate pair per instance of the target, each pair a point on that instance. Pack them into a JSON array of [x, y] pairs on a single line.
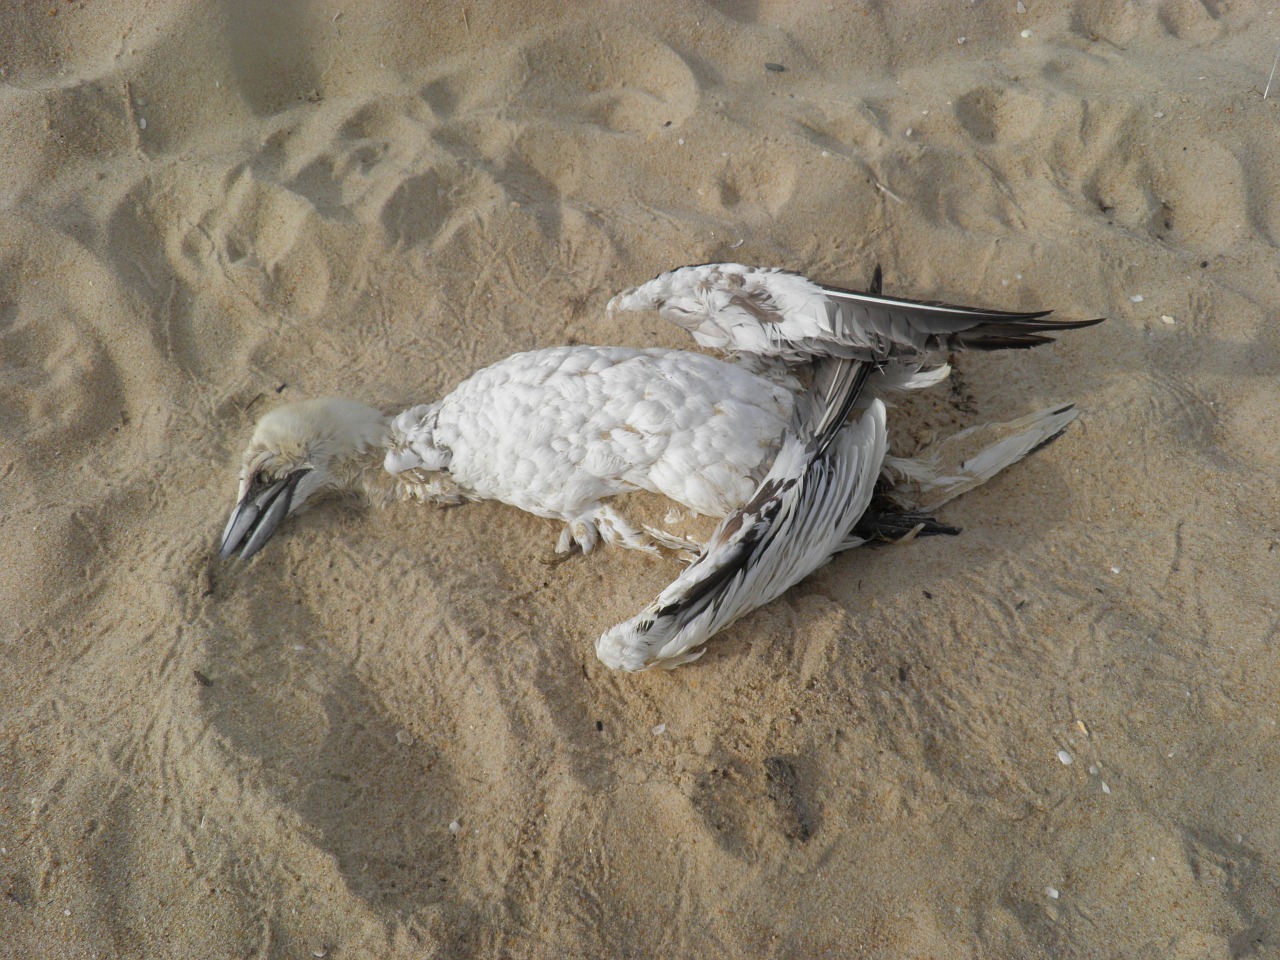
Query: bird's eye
[[258, 481]]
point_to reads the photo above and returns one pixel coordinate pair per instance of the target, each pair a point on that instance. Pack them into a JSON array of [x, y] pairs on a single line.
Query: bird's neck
[[363, 474], [360, 472]]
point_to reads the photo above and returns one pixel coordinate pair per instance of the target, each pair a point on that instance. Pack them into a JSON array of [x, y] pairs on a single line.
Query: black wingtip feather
[[1035, 322], [977, 340], [1006, 334], [1078, 324], [1048, 440], [995, 316]]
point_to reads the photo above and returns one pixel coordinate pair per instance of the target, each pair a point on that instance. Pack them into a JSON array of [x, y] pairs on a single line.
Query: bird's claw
[[560, 556]]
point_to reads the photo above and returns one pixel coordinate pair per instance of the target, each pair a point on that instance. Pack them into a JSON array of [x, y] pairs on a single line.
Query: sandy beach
[[387, 735]]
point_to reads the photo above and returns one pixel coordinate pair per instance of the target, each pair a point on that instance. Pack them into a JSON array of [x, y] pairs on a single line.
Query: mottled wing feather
[[821, 410], [777, 313], [799, 517]]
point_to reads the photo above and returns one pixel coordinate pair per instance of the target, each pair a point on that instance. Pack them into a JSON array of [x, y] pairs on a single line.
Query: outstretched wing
[[775, 313], [799, 516], [959, 463]]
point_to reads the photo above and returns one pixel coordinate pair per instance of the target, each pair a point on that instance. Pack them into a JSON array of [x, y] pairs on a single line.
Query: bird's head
[[298, 451]]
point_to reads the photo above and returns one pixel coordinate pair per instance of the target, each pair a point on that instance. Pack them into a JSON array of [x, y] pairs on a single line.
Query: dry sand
[[212, 208]]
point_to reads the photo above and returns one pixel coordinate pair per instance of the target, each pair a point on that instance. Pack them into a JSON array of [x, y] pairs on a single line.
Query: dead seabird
[[558, 431]]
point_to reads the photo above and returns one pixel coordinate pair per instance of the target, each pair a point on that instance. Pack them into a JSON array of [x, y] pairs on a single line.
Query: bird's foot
[[578, 536]]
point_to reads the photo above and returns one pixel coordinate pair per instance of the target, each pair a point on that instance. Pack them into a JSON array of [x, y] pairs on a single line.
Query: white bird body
[[554, 432], [557, 431], [551, 430]]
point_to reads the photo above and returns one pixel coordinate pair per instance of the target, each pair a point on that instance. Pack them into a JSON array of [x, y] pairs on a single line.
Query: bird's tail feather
[[897, 526]]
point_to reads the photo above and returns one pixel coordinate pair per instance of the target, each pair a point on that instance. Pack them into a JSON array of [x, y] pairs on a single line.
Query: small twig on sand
[[887, 192]]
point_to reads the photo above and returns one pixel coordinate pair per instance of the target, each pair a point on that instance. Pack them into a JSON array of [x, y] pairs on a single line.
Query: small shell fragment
[[1167, 319], [1105, 788], [1137, 298], [1065, 758], [455, 827], [1026, 34], [660, 729], [1051, 893]]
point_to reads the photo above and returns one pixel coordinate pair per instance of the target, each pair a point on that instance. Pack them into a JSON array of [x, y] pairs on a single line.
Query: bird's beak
[[258, 514]]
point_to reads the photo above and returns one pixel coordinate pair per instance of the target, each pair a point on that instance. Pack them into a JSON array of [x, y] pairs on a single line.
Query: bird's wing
[[798, 517], [946, 469], [762, 310]]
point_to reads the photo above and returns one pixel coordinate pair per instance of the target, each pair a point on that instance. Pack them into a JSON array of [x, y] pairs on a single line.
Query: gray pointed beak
[[258, 514]]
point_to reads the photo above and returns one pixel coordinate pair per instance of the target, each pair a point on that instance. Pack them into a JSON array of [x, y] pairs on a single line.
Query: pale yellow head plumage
[[297, 451]]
